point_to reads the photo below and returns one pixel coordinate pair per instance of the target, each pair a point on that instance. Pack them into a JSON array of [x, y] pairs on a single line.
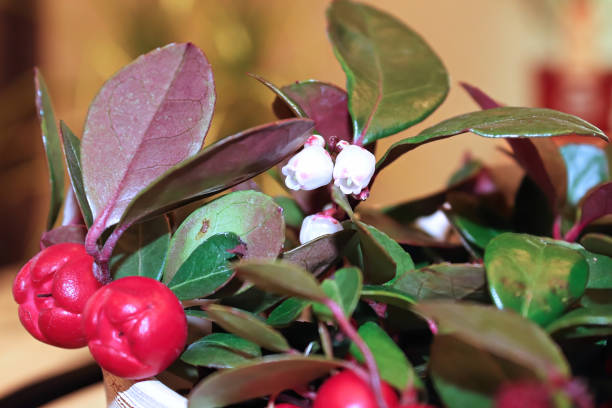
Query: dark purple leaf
[[71, 214], [66, 233], [226, 163], [52, 144], [595, 204], [150, 116], [326, 104]]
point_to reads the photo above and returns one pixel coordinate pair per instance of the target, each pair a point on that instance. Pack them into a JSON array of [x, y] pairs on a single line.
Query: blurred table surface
[[24, 360]]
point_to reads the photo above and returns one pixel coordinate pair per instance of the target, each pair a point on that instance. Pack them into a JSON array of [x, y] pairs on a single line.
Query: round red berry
[[347, 390], [52, 290], [136, 327]]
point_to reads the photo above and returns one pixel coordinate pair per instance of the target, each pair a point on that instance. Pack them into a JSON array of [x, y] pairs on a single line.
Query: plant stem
[[325, 340], [350, 331], [574, 232]]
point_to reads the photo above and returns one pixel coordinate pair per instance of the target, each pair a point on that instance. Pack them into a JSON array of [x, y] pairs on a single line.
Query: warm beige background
[[492, 44]]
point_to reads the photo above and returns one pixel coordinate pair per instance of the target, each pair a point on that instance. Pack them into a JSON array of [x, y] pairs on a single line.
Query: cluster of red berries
[[135, 327]]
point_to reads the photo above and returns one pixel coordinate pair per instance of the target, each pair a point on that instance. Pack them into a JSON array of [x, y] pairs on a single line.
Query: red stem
[[350, 331], [574, 232], [557, 228]]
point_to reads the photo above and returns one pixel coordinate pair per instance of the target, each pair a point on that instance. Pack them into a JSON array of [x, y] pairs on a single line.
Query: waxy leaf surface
[[287, 311], [595, 204], [223, 164], [53, 147], [394, 79], [64, 233], [344, 288], [248, 327], [587, 166], [387, 295], [503, 122], [597, 243], [72, 151], [281, 277], [151, 115], [221, 350], [206, 269], [502, 333], [534, 276], [270, 375], [142, 249], [596, 315], [291, 211], [251, 215], [390, 359]]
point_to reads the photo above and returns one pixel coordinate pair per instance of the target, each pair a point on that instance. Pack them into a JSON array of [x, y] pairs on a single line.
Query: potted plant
[[471, 297]]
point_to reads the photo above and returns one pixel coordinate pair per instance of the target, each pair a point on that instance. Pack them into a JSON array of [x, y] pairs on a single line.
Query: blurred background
[[554, 53]]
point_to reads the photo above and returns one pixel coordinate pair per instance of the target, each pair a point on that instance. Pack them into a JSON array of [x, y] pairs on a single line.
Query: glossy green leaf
[[251, 215], [72, 152], [206, 269], [221, 165], [600, 270], [220, 350], [390, 359], [287, 311], [587, 166], [281, 277], [387, 295], [536, 277], [340, 198], [270, 375], [141, 251], [597, 243], [600, 315], [291, 211], [318, 255], [501, 333], [150, 116], [383, 258], [394, 79], [344, 288], [440, 281], [247, 326], [53, 147], [503, 122]]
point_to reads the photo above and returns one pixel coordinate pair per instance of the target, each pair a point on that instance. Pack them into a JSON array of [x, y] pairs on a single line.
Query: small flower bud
[[354, 169], [309, 169], [315, 140], [317, 225], [341, 145]]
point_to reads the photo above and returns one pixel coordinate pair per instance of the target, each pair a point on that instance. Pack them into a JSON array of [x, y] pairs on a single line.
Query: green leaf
[[207, 268], [291, 211], [394, 79], [287, 311], [295, 107], [53, 147], [503, 122], [281, 277], [390, 359], [600, 270], [72, 151], [501, 333], [247, 326], [344, 288], [387, 295], [221, 350], [587, 166], [270, 375], [600, 315], [251, 215], [597, 243], [340, 198], [141, 251], [536, 277], [383, 258], [439, 281]]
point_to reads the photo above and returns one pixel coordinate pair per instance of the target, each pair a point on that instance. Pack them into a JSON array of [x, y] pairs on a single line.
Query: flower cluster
[[313, 167]]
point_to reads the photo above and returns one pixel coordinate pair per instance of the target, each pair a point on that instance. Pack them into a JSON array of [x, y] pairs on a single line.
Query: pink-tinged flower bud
[[317, 225], [315, 140], [354, 169], [309, 169]]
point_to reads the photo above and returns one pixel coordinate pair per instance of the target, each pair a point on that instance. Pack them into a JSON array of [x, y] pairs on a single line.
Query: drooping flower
[[311, 168], [317, 225], [354, 169]]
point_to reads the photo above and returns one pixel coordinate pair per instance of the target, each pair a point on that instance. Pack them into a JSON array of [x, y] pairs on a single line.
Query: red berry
[[524, 394], [347, 390], [52, 290], [136, 327]]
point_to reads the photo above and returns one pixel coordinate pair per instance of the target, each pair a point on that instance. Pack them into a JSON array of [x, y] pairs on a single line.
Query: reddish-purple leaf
[[326, 104], [224, 164], [66, 233], [595, 204], [150, 116], [540, 158]]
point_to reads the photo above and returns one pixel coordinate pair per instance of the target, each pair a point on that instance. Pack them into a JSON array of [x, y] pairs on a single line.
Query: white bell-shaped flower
[[354, 169], [309, 169], [317, 225]]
